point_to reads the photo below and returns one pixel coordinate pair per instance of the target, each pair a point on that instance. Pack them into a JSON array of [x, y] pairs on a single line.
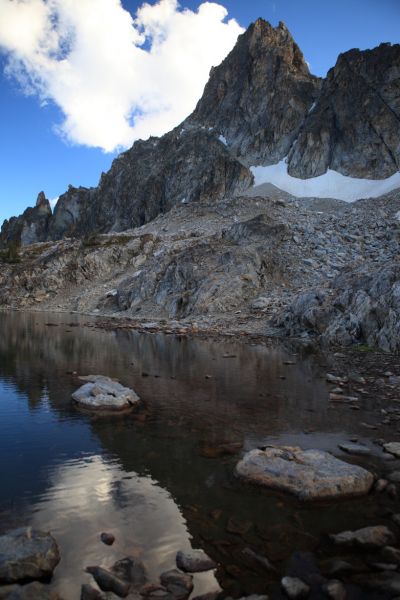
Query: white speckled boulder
[[308, 474], [104, 394]]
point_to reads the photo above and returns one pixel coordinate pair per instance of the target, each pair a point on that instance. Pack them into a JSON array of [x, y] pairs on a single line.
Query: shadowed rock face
[[30, 227], [185, 165], [362, 306], [355, 126], [260, 95]]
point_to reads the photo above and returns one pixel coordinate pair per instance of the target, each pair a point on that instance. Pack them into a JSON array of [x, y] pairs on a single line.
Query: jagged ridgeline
[[258, 107]]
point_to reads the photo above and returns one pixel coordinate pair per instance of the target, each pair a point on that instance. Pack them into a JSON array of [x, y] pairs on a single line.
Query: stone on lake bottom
[[335, 590], [107, 538], [392, 448], [386, 582], [208, 596], [352, 448], [132, 570], [108, 582], [26, 553], [308, 474], [194, 561], [256, 561], [103, 393], [392, 554], [154, 591], [32, 591], [376, 536], [178, 584], [251, 597], [295, 588], [90, 593]]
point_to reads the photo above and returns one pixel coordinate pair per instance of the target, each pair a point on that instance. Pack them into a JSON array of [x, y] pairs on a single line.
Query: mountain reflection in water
[[149, 481]]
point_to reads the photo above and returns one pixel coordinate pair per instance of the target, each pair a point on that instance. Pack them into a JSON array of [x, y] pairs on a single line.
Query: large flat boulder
[[308, 474], [104, 394], [26, 553]]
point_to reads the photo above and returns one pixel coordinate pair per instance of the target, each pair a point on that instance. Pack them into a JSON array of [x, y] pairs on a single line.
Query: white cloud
[[115, 78], [53, 202]]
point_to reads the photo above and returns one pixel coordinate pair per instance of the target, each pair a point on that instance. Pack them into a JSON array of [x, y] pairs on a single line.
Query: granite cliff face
[[354, 127], [259, 106]]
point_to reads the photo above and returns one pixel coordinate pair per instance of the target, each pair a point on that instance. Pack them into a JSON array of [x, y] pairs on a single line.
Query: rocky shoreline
[[266, 263]]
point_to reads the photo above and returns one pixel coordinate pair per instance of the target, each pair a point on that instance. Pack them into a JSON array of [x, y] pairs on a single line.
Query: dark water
[[146, 479]]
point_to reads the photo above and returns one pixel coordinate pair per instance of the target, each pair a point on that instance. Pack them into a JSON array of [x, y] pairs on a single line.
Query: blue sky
[[34, 156]]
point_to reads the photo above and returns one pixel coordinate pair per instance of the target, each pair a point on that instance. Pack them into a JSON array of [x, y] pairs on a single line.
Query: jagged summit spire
[[262, 87], [41, 199]]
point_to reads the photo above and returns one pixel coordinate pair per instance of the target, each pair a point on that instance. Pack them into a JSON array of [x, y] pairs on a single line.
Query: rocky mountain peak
[[260, 94], [260, 105], [31, 226]]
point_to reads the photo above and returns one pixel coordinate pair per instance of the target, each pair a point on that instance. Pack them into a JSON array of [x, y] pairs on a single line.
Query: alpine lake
[[162, 479]]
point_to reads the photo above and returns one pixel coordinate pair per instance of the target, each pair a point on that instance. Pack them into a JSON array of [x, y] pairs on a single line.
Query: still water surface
[[150, 479]]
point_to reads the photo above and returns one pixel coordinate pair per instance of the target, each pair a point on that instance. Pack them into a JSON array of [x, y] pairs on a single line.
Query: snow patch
[[223, 140], [397, 216], [313, 105], [330, 185]]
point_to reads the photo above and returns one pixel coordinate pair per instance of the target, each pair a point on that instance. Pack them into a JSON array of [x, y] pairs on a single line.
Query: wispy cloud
[[115, 78]]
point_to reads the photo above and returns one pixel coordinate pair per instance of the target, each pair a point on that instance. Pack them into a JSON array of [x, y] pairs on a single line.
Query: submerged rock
[[32, 591], [352, 448], [308, 474], [108, 582], [295, 588], [391, 554], [256, 561], [26, 553], [194, 561], [367, 537], [107, 538], [103, 393], [178, 584], [153, 591], [386, 582], [392, 448], [90, 593], [132, 570], [335, 590]]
